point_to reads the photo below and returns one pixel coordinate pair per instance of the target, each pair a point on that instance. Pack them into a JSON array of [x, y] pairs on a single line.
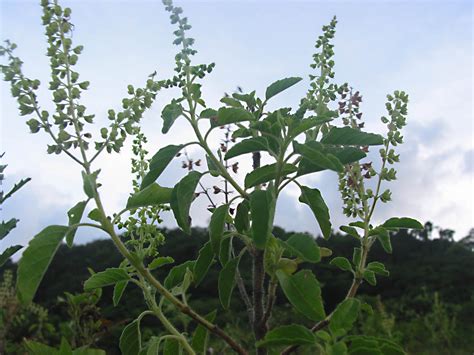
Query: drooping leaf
[[119, 289], [369, 276], [227, 281], [304, 293], [75, 216], [36, 259], [313, 198], [176, 274], [293, 334], [351, 231], [262, 209], [304, 247], [159, 162], [169, 114], [280, 85], [318, 157], [213, 169], [378, 268], [266, 173], [227, 115], [152, 195], [241, 220], [250, 145], [203, 262], [216, 227], [181, 198], [201, 335], [208, 113], [107, 277], [342, 263], [344, 317], [8, 252], [89, 183], [130, 340], [6, 227], [383, 237], [403, 222], [160, 261], [351, 136]]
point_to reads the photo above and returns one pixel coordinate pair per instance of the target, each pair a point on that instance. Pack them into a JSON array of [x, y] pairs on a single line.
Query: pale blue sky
[[422, 47]]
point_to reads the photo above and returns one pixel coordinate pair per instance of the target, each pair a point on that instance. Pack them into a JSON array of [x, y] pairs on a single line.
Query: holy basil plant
[[325, 132]]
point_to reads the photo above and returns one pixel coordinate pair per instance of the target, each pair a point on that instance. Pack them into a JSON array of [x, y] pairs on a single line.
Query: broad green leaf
[[119, 289], [153, 346], [378, 268], [203, 262], [226, 282], [201, 335], [241, 220], [403, 222], [313, 198], [36, 259], [344, 317], [250, 145], [169, 114], [227, 115], [176, 274], [318, 157], [383, 237], [107, 277], [262, 209], [216, 227], [64, 347], [159, 162], [362, 345], [280, 85], [213, 169], [266, 173], [75, 216], [369, 276], [160, 261], [229, 101], [351, 136], [89, 183], [130, 340], [293, 334], [304, 293], [208, 113], [35, 348], [338, 348], [152, 195], [181, 198], [304, 247], [302, 126], [6, 227], [95, 215], [351, 231], [8, 252], [226, 248], [171, 347], [342, 263]]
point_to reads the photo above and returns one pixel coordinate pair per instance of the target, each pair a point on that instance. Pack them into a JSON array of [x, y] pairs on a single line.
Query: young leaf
[[280, 85], [383, 237], [378, 268], [293, 334], [89, 181], [241, 220], [36, 259], [250, 145], [227, 115], [351, 136], [213, 170], [302, 126], [203, 262], [159, 162], [344, 317], [267, 173], [216, 227], [404, 222], [304, 247], [342, 263], [181, 198], [8, 252], [351, 231], [160, 261], [313, 198], [176, 274], [317, 157], [226, 282], [304, 293], [119, 289], [201, 335], [261, 209], [130, 340], [75, 215], [369, 276], [169, 114], [152, 195], [107, 277]]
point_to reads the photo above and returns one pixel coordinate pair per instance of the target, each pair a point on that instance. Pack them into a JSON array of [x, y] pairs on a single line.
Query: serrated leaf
[[119, 289], [228, 115], [351, 136], [130, 340], [8, 252], [14, 189], [75, 216], [293, 334], [304, 293], [201, 335], [314, 199], [181, 198], [6, 227], [267, 173], [159, 162], [203, 262], [227, 281], [342, 263], [216, 227], [262, 208], [36, 259], [344, 317], [152, 195], [304, 247], [107, 277], [280, 85], [169, 114], [403, 222], [250, 145]]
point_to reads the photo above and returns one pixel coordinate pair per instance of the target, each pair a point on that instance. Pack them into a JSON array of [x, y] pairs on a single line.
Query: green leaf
[[304, 247], [8, 252], [378, 268], [181, 198], [36, 259], [226, 282], [293, 334], [318, 157], [89, 181], [250, 145], [208, 113], [203, 262], [213, 169], [262, 208], [383, 237], [304, 293], [351, 231], [241, 220], [225, 251], [6, 227], [152, 195], [216, 227], [130, 340], [369, 276], [313, 198], [338, 348], [160, 261], [95, 215], [267, 173], [342, 263], [280, 85], [75, 216], [36, 348], [14, 189], [171, 347], [119, 289], [302, 126], [201, 335], [403, 222], [363, 345], [356, 257], [176, 274], [344, 317], [159, 162], [88, 351], [351, 136], [107, 277], [169, 114], [227, 115]]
